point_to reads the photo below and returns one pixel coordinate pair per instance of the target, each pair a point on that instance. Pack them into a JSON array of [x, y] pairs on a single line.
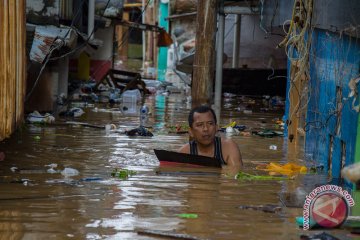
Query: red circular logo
[[329, 210]]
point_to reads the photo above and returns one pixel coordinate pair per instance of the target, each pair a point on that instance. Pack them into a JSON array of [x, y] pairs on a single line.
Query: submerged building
[[321, 40]]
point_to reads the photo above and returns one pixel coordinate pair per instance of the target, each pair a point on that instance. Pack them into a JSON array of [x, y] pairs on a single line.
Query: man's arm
[[232, 155]]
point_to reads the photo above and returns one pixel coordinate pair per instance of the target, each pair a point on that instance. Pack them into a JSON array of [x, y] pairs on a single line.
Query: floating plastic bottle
[[144, 111]]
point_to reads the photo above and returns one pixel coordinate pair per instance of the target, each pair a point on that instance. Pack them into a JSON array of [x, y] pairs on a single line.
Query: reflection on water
[[38, 204]]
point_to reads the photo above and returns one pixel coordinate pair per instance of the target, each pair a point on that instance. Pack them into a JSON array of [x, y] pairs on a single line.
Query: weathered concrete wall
[[12, 65], [101, 59], [257, 50]]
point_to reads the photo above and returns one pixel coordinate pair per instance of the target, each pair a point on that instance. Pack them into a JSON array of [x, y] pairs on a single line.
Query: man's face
[[203, 129]]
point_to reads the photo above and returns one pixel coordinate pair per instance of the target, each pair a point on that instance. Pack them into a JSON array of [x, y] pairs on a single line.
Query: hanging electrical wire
[[59, 42], [297, 43], [88, 37]]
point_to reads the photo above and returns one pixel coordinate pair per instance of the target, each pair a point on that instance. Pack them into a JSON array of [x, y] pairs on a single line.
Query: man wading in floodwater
[[203, 129]]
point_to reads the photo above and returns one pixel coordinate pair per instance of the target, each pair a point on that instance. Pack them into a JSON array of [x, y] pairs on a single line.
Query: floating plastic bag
[[68, 172], [36, 117], [286, 169]]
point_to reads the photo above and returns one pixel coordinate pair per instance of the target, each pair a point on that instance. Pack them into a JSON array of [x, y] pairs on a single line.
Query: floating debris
[[85, 124], [140, 131], [320, 236], [167, 234], [91, 179], [188, 215], [36, 117], [288, 169], [68, 172], [273, 147], [270, 208], [231, 127], [249, 177], [268, 133], [122, 173]]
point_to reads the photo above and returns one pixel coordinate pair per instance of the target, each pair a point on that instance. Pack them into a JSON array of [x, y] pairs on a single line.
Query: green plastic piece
[[188, 215]]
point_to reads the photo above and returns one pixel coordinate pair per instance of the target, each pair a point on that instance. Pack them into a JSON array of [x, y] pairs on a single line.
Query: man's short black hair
[[200, 109]]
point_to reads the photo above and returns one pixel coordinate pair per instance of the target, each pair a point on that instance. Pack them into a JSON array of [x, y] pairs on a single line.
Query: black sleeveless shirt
[[218, 151]]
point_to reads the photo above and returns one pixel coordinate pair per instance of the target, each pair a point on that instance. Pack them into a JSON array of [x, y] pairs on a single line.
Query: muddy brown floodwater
[[38, 202]]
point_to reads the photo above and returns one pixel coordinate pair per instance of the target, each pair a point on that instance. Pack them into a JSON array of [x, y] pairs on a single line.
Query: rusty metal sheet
[[44, 38]]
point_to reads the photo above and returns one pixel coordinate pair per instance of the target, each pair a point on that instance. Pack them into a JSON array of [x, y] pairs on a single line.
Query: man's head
[[200, 109], [202, 122]]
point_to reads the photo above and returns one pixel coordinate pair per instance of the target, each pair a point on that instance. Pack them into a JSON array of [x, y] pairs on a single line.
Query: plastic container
[[129, 104], [129, 100], [129, 95]]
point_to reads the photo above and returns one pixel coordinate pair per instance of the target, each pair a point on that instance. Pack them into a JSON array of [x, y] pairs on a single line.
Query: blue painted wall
[[334, 61], [162, 56]]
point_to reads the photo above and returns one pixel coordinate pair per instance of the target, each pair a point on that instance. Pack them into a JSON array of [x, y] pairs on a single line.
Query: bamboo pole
[[219, 65], [2, 70], [203, 68], [12, 68], [21, 61], [5, 49], [12, 65]]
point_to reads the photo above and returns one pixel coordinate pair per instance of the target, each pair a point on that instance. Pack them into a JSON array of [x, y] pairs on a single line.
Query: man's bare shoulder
[[228, 142], [184, 149]]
